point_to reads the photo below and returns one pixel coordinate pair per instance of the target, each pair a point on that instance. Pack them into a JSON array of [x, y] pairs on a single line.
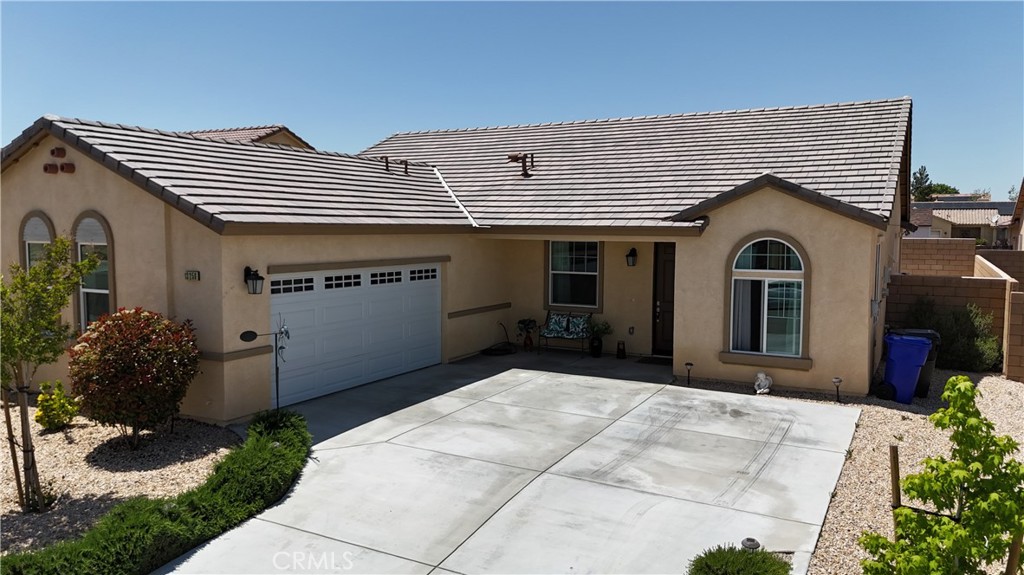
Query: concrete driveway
[[535, 471]]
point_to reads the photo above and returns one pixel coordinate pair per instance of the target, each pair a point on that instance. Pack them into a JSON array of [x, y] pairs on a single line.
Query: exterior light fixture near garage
[[253, 281], [631, 257]]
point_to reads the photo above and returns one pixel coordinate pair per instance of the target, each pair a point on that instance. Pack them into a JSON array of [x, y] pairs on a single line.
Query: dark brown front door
[[664, 293]]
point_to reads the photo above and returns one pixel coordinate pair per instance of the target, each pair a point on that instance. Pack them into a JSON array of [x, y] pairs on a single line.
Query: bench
[[561, 325]]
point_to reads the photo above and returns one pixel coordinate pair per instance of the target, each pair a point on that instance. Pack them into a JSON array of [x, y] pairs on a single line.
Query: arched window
[[768, 299], [91, 237], [36, 235]]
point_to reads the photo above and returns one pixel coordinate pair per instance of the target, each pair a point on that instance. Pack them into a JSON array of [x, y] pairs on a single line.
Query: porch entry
[[664, 293]]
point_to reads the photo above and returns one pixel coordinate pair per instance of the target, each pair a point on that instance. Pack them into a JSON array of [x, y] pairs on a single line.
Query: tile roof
[[921, 212], [640, 171], [969, 217], [224, 183], [249, 134]]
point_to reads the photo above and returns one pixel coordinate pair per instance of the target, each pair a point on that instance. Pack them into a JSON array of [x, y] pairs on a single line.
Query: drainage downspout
[[455, 198]]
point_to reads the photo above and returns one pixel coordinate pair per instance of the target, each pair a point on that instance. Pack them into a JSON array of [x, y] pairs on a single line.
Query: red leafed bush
[[132, 369]]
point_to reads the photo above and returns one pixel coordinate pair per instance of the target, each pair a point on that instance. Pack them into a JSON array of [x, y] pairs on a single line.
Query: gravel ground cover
[[861, 500], [89, 468]]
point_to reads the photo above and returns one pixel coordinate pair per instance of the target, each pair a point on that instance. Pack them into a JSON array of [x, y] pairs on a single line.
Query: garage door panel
[[345, 343], [386, 306], [299, 350], [423, 327], [351, 327], [385, 333], [300, 316], [348, 312], [421, 300]]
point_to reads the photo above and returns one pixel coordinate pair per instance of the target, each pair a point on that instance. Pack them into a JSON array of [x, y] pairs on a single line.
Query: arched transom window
[[767, 299], [36, 237]]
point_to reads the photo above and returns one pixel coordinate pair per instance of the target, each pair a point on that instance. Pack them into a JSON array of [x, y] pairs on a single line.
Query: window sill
[[572, 309], [761, 360]]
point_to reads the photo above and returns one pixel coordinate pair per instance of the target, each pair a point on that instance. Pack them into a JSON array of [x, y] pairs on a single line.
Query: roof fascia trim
[[770, 180]]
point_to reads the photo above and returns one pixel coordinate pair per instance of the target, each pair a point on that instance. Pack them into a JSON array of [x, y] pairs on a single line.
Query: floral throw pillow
[[556, 325], [578, 327]]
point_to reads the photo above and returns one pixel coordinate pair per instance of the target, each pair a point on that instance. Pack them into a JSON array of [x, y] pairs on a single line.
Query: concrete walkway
[[574, 465]]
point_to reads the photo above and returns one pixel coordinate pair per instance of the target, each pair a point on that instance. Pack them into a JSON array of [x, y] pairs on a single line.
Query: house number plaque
[[192, 275]]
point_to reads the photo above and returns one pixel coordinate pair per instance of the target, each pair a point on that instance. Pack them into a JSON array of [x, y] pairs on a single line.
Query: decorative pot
[[596, 346]]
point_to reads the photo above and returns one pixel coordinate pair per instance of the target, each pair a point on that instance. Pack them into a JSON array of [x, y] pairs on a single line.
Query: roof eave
[[703, 208]]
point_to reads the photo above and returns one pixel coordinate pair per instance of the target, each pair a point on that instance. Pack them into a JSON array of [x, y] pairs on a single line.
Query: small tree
[[942, 189], [34, 334], [132, 369], [1012, 194], [920, 185], [978, 492]]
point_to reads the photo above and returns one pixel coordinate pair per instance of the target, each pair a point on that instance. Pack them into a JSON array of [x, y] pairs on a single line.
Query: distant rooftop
[[257, 134]]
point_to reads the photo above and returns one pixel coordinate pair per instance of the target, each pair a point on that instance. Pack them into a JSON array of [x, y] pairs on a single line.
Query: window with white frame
[[573, 274], [767, 299], [36, 238], [94, 295]]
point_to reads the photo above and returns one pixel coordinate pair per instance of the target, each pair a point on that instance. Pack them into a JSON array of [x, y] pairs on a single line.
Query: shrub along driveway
[[535, 471]]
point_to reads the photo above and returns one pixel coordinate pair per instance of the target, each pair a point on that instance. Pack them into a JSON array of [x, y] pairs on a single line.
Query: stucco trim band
[[478, 310], [324, 266], [761, 360], [233, 355]]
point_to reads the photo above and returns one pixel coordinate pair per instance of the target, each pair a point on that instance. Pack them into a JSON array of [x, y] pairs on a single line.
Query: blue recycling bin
[[907, 354]]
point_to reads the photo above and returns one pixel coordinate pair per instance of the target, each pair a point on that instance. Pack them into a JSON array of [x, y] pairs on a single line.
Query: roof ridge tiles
[[239, 129], [652, 117], [188, 136]]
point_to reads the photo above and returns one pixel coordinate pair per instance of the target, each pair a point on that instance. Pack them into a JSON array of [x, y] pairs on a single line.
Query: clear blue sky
[[346, 75]]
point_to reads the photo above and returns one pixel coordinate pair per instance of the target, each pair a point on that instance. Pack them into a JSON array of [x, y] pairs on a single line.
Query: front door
[[664, 293]]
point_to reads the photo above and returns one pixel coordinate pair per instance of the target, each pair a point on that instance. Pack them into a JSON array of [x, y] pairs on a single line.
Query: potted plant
[[526, 327], [598, 329]]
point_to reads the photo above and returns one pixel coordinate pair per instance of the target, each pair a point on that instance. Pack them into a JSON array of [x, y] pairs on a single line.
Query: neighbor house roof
[[921, 212], [250, 134], [224, 184], [920, 216], [976, 217], [641, 171]]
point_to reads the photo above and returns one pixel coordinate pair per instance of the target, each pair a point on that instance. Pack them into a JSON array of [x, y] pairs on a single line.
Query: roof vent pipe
[[387, 163], [521, 158]]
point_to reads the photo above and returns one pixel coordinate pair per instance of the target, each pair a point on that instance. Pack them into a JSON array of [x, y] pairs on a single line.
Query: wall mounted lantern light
[[253, 281], [631, 257]]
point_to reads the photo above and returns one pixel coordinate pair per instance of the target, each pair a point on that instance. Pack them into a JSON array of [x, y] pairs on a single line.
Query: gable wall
[[136, 219], [842, 259]]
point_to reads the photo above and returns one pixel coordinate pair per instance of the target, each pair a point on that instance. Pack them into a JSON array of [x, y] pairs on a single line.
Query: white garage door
[[350, 327]]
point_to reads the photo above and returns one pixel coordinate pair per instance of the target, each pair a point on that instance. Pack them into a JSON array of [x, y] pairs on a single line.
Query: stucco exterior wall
[[628, 292], [841, 254], [136, 221]]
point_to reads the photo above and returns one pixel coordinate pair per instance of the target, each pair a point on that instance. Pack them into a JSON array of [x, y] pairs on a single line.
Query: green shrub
[[54, 409], [140, 535], [967, 340], [977, 492], [132, 369], [730, 560]]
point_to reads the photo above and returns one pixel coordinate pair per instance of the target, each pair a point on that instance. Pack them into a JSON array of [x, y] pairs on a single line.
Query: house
[[740, 241], [985, 221], [276, 134]]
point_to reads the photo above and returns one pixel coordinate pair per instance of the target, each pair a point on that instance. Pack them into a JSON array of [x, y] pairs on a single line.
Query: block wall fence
[[946, 271], [937, 257]]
